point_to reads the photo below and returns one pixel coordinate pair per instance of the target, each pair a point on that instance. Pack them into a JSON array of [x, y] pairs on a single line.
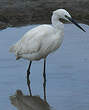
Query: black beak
[[74, 22]]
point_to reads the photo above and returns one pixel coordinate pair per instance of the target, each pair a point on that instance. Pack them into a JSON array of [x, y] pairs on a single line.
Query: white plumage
[[42, 40], [38, 43]]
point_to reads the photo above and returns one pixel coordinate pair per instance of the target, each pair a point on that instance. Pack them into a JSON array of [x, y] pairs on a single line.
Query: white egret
[[42, 40]]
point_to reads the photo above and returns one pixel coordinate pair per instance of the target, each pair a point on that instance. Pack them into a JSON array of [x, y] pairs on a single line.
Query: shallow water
[[67, 71]]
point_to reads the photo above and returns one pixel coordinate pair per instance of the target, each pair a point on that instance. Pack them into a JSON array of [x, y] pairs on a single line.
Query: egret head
[[63, 14]]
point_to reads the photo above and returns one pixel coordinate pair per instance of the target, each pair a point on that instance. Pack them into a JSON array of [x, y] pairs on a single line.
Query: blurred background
[[67, 69]]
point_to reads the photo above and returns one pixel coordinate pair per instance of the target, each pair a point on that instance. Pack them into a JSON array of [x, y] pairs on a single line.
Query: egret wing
[[29, 46], [32, 40]]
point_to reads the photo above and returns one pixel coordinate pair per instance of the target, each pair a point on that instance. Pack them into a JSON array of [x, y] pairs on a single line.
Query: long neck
[[56, 23]]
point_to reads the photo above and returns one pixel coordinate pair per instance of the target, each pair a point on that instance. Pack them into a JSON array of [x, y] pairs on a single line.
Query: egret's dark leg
[[28, 81], [44, 76]]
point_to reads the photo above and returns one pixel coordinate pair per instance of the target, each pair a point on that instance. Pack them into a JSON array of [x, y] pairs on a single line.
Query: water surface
[[67, 71]]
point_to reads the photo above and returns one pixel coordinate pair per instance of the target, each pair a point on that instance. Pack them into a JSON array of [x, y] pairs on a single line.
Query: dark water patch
[[26, 102]]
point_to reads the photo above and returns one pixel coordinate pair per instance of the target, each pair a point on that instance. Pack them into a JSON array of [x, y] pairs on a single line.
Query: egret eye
[[62, 20]]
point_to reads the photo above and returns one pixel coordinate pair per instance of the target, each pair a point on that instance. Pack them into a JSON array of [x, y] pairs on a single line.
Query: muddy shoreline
[[15, 13]]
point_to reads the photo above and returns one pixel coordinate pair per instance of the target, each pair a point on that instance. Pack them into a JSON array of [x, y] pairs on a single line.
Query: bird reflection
[[25, 102]]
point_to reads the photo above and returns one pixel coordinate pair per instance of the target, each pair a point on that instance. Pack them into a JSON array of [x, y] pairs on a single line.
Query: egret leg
[[44, 76], [28, 81]]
